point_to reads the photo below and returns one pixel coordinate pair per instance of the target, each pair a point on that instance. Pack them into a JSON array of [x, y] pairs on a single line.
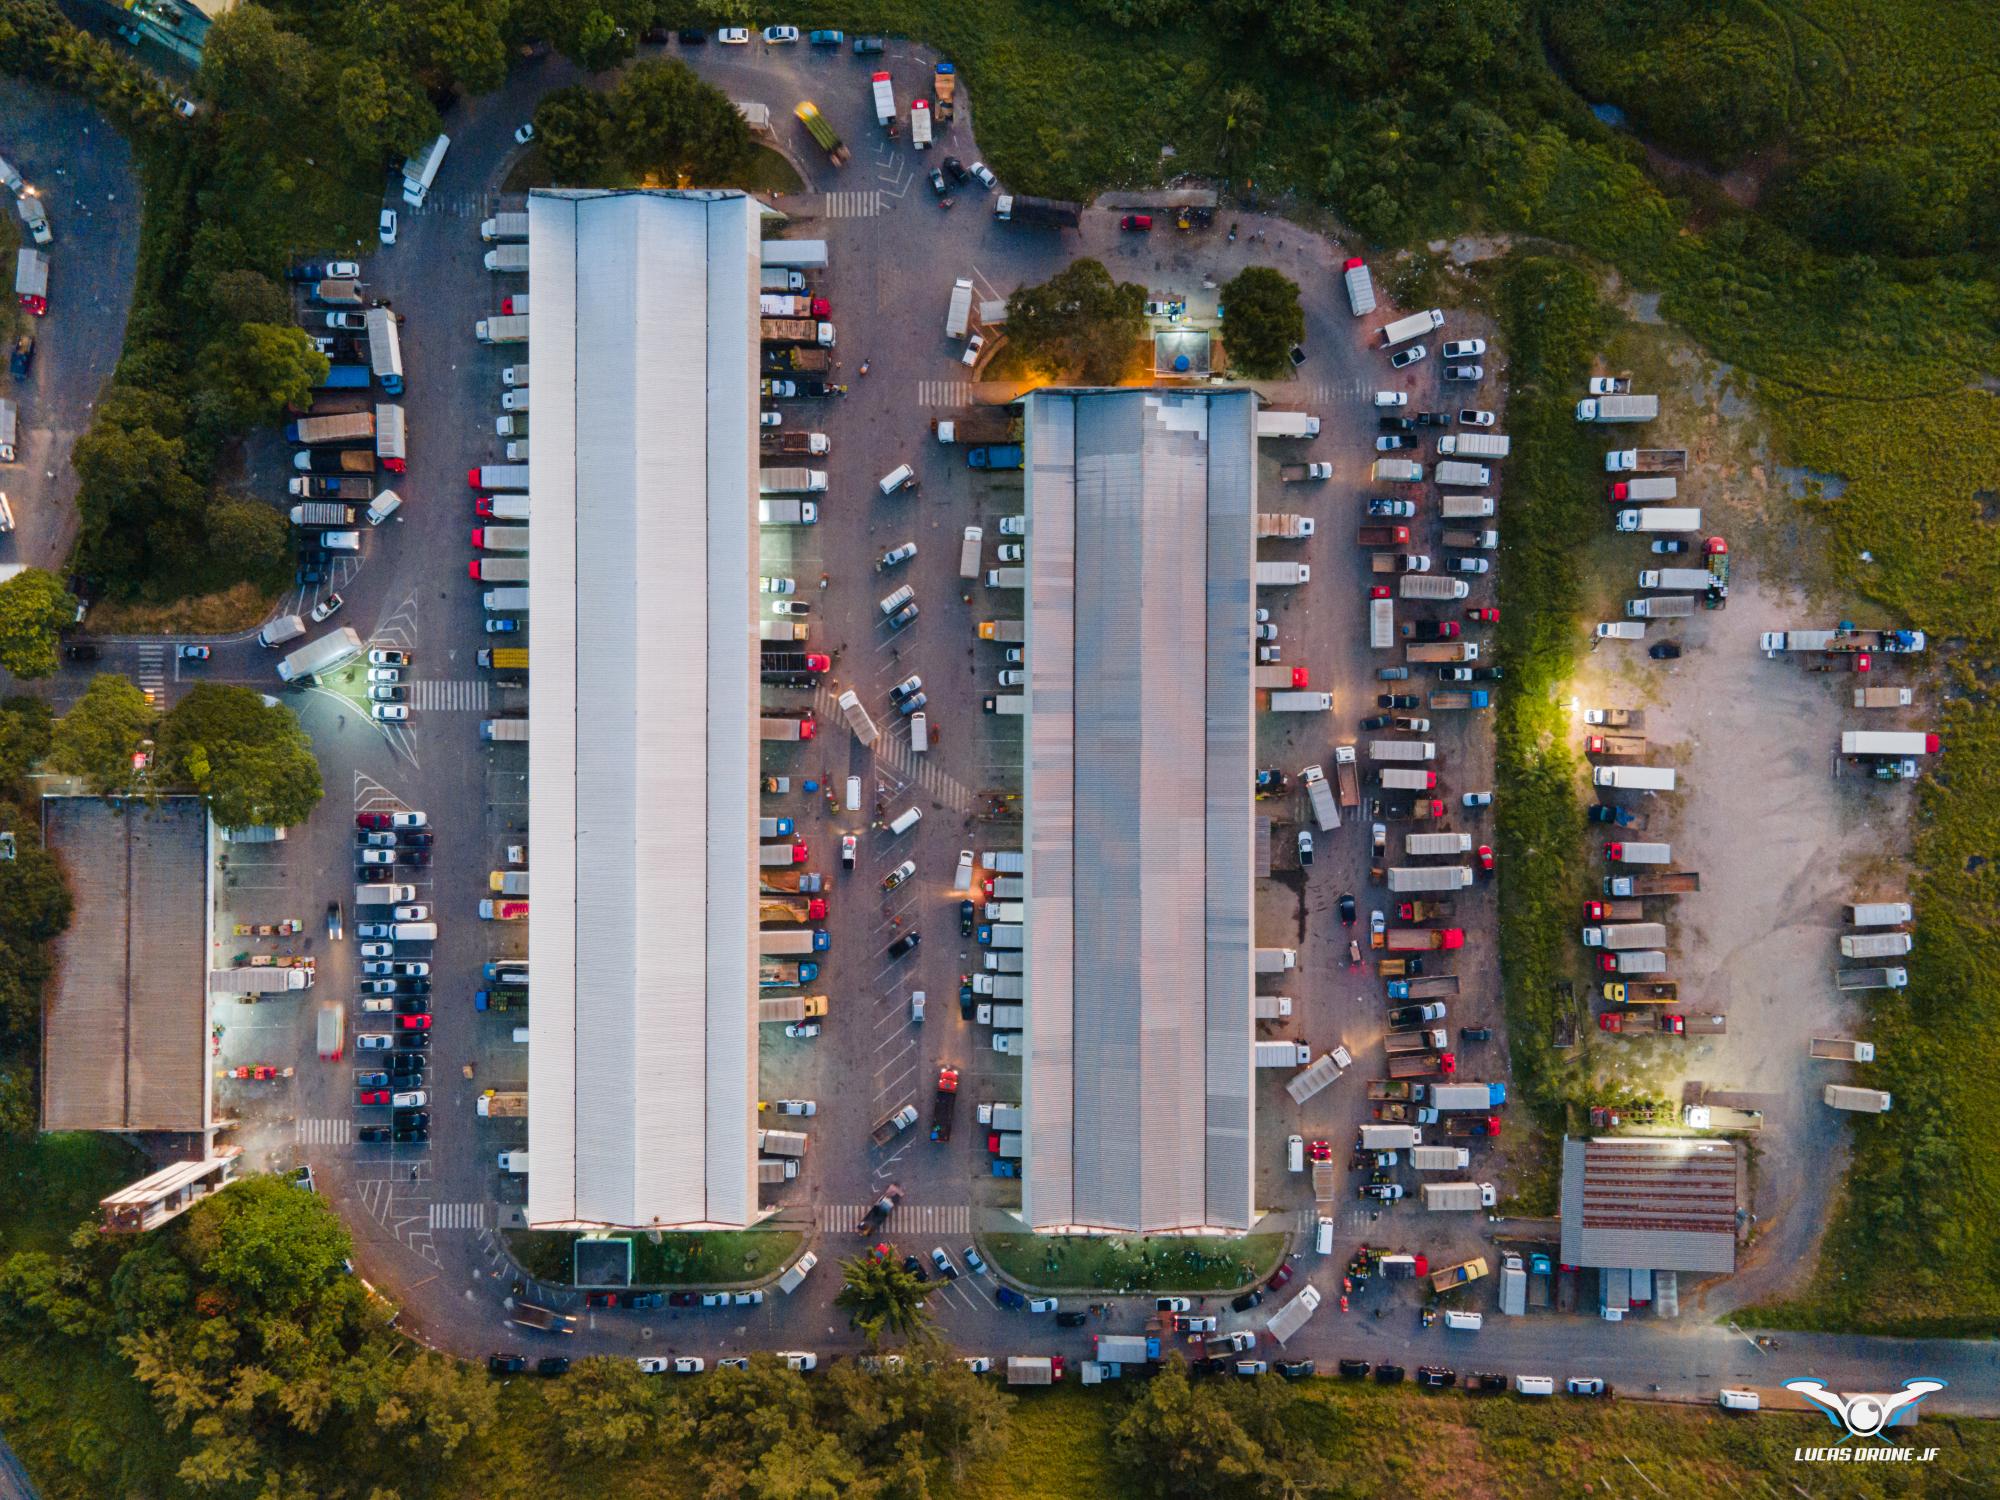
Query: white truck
[[1463, 475], [509, 260], [1286, 424], [1878, 913], [1282, 574], [857, 718], [506, 226], [327, 654], [1301, 703], [1447, 1196], [958, 319], [1415, 326], [1397, 471], [1861, 1101], [1465, 507], [1325, 812], [1440, 1158], [501, 329], [421, 170], [1656, 518], [1382, 624], [1282, 1054], [1275, 960], [1474, 445], [1618, 409], [1659, 487], [1695, 580], [1618, 936], [1294, 1315], [885, 101]]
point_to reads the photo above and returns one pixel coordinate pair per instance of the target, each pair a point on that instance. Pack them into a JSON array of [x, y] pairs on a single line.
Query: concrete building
[[1140, 737], [1634, 1206], [642, 1058], [125, 1043], [178, 26]]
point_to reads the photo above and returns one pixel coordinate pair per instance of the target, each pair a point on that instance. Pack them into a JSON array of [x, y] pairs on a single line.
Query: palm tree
[[881, 1297]]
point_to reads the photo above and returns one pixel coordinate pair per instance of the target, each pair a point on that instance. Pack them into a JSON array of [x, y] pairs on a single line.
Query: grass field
[[714, 1259], [1058, 1263]]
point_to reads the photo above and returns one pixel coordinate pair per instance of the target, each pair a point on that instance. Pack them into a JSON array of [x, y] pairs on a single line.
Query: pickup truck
[[1382, 1088], [1422, 1065], [892, 1126], [879, 1211], [1293, 473]]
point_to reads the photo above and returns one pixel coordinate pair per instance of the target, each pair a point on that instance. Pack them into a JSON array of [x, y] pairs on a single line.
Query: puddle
[[1610, 114], [1802, 481]]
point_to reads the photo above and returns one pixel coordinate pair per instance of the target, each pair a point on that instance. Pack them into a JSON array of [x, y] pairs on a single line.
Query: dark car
[[1247, 1301], [413, 1005], [1436, 1377], [82, 651], [1389, 1374], [1434, 419], [916, 1268], [1599, 813], [1006, 1296], [868, 46], [412, 1119], [1347, 907], [506, 1364], [938, 184], [1475, 1033], [415, 838], [552, 1364], [405, 1064], [22, 357], [645, 1299], [1272, 781], [373, 1135], [1296, 1369], [412, 1134], [968, 916], [1279, 1277], [1485, 1380], [1665, 651], [1392, 674], [1353, 1369], [1395, 424], [1488, 674], [1071, 1319], [1397, 700], [684, 1299], [691, 36], [1375, 721], [655, 36], [904, 944], [957, 169], [413, 1041]]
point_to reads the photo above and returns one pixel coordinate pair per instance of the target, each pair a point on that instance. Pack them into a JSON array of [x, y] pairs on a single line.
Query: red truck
[[1383, 536], [1424, 939]]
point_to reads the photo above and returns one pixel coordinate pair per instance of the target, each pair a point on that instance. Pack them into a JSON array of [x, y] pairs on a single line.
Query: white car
[[771, 419], [777, 585], [1464, 372], [1462, 349], [748, 1299], [413, 914], [343, 270], [900, 554], [1391, 443], [733, 36], [1043, 1304], [1473, 416], [1466, 565], [374, 1041], [385, 674], [409, 820], [379, 967], [386, 230], [978, 1364], [941, 1258], [414, 1099], [790, 607], [351, 322], [1173, 1304], [798, 1359], [387, 692], [985, 175], [1478, 799], [652, 1364], [525, 134], [802, 1030], [379, 856], [972, 347], [1012, 677], [780, 35], [1012, 552], [378, 950], [914, 683], [1013, 526], [1014, 656], [394, 713], [1407, 357], [1392, 398], [898, 875], [916, 1007], [387, 658], [689, 1364], [797, 1107]]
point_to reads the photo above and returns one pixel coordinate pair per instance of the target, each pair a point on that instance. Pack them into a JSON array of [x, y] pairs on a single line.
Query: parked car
[[1403, 359], [1136, 223], [1464, 372], [1463, 349]]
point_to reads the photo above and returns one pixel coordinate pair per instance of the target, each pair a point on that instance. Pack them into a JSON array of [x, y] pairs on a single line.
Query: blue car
[[1004, 1168], [826, 38], [1006, 1296], [502, 626]]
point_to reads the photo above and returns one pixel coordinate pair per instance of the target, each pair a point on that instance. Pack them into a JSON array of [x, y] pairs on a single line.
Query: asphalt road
[[427, 1218]]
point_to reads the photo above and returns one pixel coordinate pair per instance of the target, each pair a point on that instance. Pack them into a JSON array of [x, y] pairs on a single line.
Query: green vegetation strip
[[1134, 1263], [721, 1258]]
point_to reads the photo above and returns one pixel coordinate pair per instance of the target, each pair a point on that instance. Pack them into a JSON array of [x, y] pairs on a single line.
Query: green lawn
[[1134, 1263], [52, 1183], [720, 1258]]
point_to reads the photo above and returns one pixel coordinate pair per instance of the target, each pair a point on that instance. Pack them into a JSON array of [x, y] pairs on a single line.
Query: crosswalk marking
[[458, 1216], [320, 1132], [1345, 390], [445, 694], [863, 204], [893, 750], [921, 1218], [944, 393], [153, 669]]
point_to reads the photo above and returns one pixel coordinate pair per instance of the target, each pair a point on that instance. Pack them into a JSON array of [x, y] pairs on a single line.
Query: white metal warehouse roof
[[1140, 738], [642, 1059]]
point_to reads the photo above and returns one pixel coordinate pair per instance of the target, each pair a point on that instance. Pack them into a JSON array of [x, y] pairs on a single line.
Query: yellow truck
[[1458, 1275], [505, 658], [787, 1008]]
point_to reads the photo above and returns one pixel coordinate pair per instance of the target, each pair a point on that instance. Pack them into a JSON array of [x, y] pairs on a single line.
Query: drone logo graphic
[[1863, 1414]]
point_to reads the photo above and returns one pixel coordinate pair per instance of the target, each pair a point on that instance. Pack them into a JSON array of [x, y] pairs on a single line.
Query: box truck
[[1473, 445], [1878, 913], [1430, 586], [1621, 935], [1301, 703], [1642, 460], [1618, 409], [1396, 471], [1381, 624], [1360, 287], [1325, 813], [1286, 424], [1634, 778], [1664, 487], [1446, 1196], [327, 654], [1862, 1101], [1659, 518], [1887, 742], [1415, 326], [1463, 475], [1282, 574]]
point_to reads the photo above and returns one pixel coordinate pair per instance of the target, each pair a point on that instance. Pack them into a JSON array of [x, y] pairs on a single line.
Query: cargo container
[[1415, 326], [1360, 287], [1430, 586], [1401, 750], [1659, 518], [1301, 703], [1887, 742], [1634, 778], [1396, 471], [1410, 879], [1622, 935], [1473, 445], [1861, 1101], [1876, 945], [1878, 913], [1618, 409], [1281, 574], [1462, 475], [1445, 1196]]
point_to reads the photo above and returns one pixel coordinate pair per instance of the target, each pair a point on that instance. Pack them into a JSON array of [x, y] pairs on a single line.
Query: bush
[[1264, 321]]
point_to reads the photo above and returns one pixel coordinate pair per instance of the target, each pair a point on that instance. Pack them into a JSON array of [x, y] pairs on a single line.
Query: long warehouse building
[[642, 1056], [1140, 739]]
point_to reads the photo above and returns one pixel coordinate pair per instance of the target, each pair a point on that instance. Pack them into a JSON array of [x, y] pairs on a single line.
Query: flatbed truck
[[1664, 883], [1417, 1065], [1890, 978], [1840, 1049]]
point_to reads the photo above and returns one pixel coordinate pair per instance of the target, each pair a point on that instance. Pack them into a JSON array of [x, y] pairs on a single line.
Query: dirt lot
[[1781, 837]]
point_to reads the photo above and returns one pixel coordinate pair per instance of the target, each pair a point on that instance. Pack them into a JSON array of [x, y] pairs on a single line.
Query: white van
[[513, 1161], [1295, 1154], [1469, 1322], [384, 506], [907, 819], [340, 541], [414, 932], [920, 731], [897, 600], [278, 631], [902, 477], [800, 1269], [1737, 1400], [520, 1036], [1323, 1240], [1531, 1385], [963, 880], [854, 794]]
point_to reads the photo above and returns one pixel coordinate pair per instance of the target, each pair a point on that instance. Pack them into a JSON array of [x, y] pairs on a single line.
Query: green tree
[[382, 113], [254, 763], [139, 507], [606, 1407], [437, 1404], [98, 737], [1079, 325], [1262, 320], [881, 1297], [249, 297], [253, 373], [456, 43], [26, 727], [934, 1419], [674, 129], [596, 34], [34, 606], [249, 62], [251, 534], [34, 897], [1182, 1442], [268, 1243], [756, 1432], [1240, 128], [573, 127]]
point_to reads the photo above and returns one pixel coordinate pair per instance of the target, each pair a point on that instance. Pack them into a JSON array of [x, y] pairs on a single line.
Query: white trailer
[[800, 255], [1876, 944], [1286, 424], [1360, 287], [1415, 326], [1634, 778], [1301, 703], [1878, 913], [1464, 475], [1326, 812], [1887, 742], [1474, 444], [958, 317], [1447, 1196], [1382, 624], [1282, 1054], [1410, 879], [1660, 518], [885, 100]]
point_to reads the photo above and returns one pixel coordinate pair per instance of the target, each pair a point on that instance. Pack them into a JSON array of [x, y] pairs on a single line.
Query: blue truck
[[1477, 698], [995, 456]]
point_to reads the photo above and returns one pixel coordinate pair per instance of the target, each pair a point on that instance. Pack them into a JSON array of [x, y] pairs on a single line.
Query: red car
[[1282, 1275], [1486, 858], [1612, 1021], [1138, 222], [371, 820], [1321, 1151], [817, 663], [414, 1023], [1485, 614], [821, 308], [372, 1096]]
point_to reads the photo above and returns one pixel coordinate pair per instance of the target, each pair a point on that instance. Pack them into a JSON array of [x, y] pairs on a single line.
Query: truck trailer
[[1286, 424], [1448, 1196], [1039, 213], [1415, 326], [1620, 936], [1840, 1049], [1463, 475], [1646, 460], [1665, 883], [1360, 287], [1860, 1101], [1659, 518], [327, 654], [1325, 812], [1618, 409]]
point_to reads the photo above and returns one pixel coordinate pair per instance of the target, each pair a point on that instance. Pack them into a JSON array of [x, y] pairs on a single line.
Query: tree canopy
[[1262, 320], [1215, 1441], [674, 129], [34, 606], [253, 762], [1079, 325], [253, 373], [96, 740], [881, 1297]]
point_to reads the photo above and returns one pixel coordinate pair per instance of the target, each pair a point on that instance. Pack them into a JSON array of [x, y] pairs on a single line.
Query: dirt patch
[[234, 609]]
